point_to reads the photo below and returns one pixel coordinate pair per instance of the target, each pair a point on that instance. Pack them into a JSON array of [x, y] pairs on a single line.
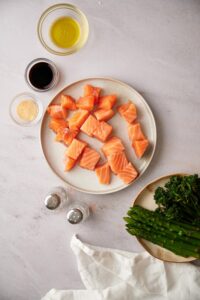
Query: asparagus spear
[[165, 242], [152, 217], [185, 241], [138, 208], [153, 226]]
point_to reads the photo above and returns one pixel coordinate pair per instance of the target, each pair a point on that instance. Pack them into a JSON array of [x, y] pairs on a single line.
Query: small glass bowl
[[13, 109], [53, 13], [53, 68]]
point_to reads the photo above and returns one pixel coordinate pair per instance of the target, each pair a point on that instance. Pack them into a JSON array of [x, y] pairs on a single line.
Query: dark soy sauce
[[41, 75]]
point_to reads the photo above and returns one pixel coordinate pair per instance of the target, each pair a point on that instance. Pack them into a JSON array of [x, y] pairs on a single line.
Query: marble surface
[[152, 45]]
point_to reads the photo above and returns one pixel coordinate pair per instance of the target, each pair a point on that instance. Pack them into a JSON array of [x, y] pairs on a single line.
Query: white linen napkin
[[110, 274]]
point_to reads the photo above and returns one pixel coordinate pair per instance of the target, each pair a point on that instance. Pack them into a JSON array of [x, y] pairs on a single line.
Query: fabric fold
[[110, 274]]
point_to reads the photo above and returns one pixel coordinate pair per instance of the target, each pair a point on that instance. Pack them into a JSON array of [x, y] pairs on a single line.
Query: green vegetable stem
[[180, 238]]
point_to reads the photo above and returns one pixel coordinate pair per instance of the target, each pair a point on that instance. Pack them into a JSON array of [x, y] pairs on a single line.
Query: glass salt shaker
[[78, 212], [56, 199]]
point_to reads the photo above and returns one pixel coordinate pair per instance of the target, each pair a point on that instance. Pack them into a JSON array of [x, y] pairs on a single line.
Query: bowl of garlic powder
[[26, 110]]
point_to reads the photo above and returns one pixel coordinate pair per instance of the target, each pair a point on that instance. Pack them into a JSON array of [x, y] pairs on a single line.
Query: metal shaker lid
[[52, 201], [74, 216]]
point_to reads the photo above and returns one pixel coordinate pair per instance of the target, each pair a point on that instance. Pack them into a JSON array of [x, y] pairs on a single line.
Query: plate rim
[[140, 240], [112, 80]]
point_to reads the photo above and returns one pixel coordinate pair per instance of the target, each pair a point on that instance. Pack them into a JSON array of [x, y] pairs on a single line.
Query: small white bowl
[[52, 14], [13, 109], [54, 69]]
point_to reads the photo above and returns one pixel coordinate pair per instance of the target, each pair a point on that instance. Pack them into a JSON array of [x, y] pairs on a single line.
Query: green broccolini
[[179, 199]]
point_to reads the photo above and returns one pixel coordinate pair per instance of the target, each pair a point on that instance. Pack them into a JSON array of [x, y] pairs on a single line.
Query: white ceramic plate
[[84, 180], [145, 198]]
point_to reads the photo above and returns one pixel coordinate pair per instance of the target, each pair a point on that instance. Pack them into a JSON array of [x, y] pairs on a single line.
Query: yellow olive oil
[[65, 32]]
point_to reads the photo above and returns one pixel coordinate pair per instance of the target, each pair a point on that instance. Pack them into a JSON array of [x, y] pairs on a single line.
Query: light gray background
[[151, 44]]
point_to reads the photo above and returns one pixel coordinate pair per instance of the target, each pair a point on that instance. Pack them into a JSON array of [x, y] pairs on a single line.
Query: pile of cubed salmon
[[90, 116]]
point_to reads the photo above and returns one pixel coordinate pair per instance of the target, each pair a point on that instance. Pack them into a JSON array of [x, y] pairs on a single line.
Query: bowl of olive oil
[[63, 29]]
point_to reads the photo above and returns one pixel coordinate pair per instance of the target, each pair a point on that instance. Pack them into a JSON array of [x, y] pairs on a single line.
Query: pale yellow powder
[[27, 110]]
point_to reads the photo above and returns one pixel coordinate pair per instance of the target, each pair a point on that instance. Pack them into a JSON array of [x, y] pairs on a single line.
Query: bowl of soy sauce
[[41, 74]]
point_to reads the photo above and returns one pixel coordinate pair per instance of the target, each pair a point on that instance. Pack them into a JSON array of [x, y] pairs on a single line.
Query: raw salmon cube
[[113, 145], [60, 134], [68, 102], [92, 90], [56, 111], [103, 173], [128, 174], [140, 147], [107, 102], [89, 125], [104, 114], [69, 163], [117, 161], [89, 158], [135, 132], [66, 135], [86, 103], [130, 115], [57, 124], [102, 131], [77, 119], [122, 108], [128, 111], [76, 148]]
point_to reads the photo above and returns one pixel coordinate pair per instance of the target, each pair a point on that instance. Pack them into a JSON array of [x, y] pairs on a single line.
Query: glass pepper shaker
[[78, 212], [57, 198]]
